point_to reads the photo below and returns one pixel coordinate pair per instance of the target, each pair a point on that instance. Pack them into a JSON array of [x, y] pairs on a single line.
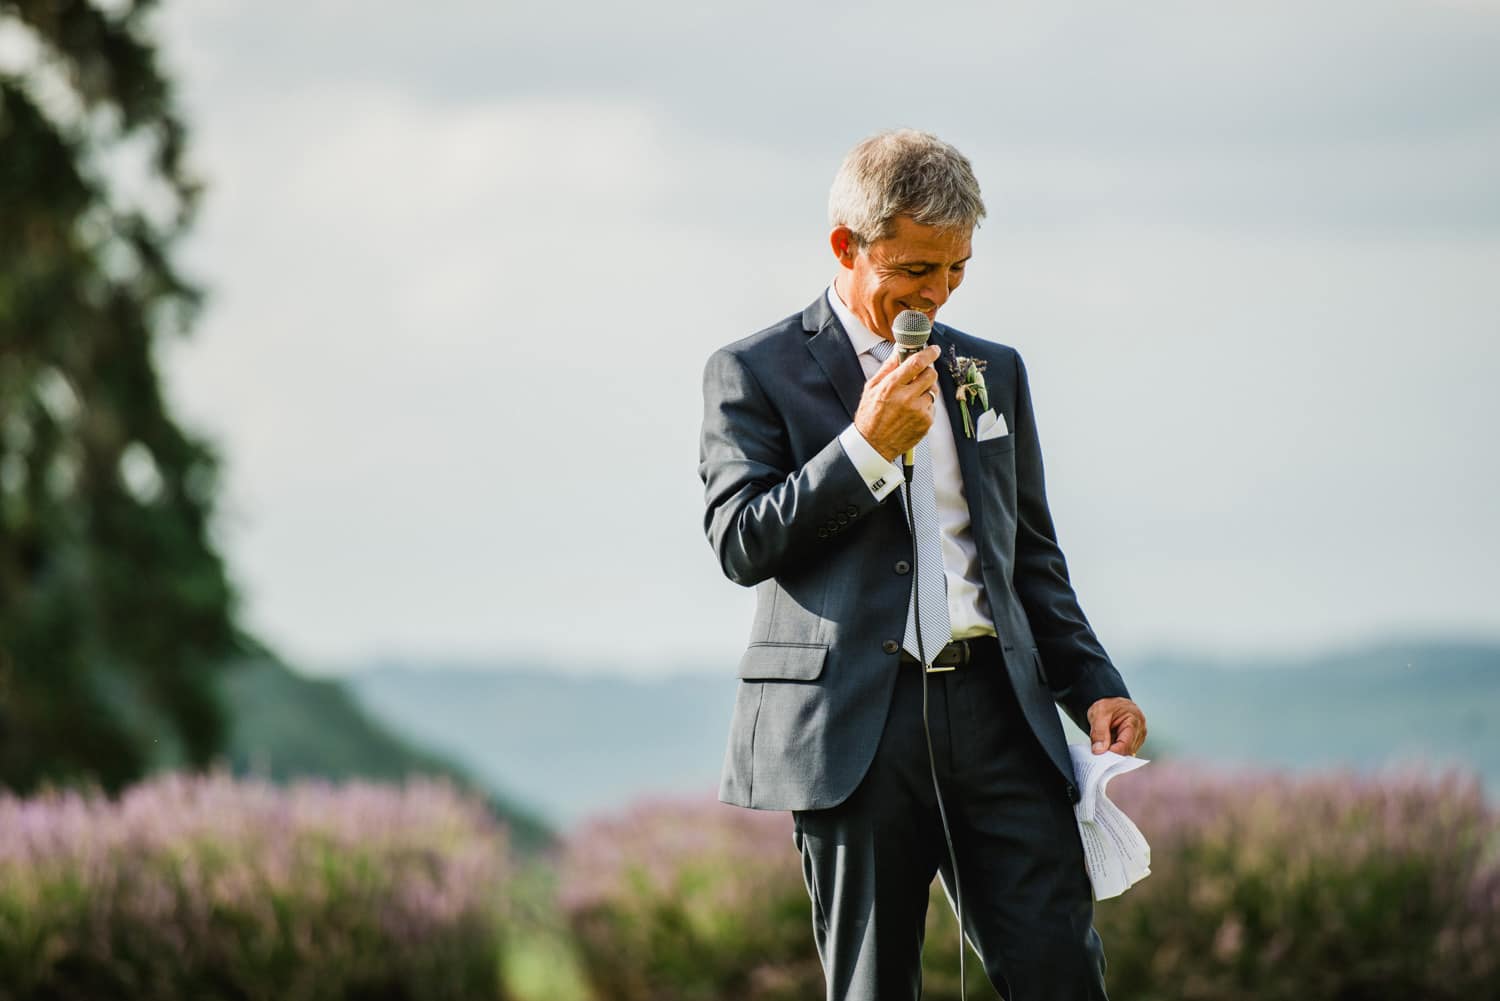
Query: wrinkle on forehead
[[913, 243]]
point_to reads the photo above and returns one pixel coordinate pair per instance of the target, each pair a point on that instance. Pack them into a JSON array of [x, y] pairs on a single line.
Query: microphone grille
[[911, 328]]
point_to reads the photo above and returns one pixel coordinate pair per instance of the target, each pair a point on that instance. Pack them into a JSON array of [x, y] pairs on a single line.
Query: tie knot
[[883, 350]]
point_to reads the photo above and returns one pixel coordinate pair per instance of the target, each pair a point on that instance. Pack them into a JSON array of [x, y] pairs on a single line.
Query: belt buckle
[[960, 648]]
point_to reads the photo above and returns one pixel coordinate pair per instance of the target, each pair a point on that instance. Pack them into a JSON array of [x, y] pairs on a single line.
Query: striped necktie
[[930, 583]]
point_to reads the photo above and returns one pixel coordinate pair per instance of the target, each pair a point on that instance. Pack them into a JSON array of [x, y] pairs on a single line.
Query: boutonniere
[[968, 373]]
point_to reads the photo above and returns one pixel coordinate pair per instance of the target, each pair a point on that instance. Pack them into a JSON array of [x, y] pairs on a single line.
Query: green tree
[[115, 608]]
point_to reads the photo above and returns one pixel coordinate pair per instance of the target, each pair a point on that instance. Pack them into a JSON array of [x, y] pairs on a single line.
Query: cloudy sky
[[467, 260]]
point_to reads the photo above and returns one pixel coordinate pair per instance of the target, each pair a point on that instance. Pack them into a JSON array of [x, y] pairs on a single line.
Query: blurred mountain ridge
[[284, 726], [572, 744]]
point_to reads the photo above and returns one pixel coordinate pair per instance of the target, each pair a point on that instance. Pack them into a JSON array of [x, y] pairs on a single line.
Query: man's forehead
[[953, 248], [908, 238]]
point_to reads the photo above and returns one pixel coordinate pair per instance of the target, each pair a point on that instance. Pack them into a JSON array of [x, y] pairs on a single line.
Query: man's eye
[[915, 272]]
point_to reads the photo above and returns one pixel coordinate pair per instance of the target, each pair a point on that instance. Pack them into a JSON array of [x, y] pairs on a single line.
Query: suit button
[[843, 519], [851, 510], [822, 533], [890, 646], [903, 567]]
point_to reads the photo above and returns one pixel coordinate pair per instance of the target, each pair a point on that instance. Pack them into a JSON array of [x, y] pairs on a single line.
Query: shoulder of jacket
[[977, 347], [767, 340]]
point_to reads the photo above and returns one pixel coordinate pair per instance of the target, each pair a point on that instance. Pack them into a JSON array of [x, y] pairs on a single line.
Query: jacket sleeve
[[1078, 670], [765, 513]]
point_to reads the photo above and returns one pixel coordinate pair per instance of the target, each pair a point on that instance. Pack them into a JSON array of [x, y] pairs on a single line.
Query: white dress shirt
[[968, 610]]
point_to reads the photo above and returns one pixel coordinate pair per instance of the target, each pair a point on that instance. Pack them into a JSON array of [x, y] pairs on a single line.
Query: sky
[[466, 261]]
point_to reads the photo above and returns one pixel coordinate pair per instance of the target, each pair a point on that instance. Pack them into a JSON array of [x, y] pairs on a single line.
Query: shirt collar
[[859, 335]]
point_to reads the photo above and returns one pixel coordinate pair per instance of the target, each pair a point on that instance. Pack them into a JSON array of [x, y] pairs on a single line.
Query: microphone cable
[[916, 577]]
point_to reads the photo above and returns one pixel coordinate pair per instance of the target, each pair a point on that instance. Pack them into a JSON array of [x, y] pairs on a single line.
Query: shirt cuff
[[879, 474]]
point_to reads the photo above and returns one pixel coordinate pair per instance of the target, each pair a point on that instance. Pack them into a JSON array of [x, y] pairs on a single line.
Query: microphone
[[912, 330]]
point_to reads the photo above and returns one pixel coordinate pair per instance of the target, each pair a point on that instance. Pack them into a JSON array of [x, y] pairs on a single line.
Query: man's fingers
[[886, 368], [926, 358], [924, 380], [905, 371], [912, 383], [1116, 724]]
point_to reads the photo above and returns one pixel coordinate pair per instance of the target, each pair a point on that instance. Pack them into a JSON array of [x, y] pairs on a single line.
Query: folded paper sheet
[[1114, 850]]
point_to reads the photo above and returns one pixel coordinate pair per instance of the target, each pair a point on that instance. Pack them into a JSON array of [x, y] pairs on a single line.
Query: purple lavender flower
[[197, 886], [1263, 886]]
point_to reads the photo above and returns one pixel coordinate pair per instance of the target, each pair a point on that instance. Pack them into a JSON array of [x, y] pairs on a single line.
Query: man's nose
[[936, 290]]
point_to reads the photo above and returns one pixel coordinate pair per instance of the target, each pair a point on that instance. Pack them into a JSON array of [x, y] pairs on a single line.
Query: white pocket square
[[991, 425]]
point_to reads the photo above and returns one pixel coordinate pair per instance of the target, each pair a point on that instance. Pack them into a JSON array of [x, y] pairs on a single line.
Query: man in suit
[[911, 639]]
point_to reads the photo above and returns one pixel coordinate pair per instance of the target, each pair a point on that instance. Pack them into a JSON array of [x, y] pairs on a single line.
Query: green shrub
[[688, 901]]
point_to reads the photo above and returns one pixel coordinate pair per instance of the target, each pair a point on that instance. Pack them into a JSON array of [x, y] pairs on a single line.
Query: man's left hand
[[1116, 725]]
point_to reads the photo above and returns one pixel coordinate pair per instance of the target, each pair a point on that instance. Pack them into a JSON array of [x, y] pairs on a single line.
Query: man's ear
[[845, 247]]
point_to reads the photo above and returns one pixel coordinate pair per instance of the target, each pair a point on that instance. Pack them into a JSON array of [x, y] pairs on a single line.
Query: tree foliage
[[115, 608]]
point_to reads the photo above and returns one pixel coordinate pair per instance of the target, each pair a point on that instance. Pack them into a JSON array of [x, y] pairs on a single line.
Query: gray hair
[[903, 172]]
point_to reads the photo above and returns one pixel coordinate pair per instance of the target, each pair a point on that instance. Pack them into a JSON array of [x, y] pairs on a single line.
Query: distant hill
[[1401, 702], [286, 726], [572, 745], [563, 743]]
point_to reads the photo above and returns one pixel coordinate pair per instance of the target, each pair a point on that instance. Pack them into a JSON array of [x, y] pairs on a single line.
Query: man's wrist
[[880, 474]]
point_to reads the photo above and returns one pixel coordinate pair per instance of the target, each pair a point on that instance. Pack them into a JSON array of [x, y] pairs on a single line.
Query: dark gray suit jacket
[[788, 513]]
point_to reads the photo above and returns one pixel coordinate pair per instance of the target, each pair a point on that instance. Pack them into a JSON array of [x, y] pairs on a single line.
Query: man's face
[[915, 267]]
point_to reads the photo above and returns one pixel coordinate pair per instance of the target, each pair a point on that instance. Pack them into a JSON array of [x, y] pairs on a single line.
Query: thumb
[[1099, 732]]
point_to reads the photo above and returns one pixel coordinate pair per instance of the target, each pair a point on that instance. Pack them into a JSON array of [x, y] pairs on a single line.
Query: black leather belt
[[960, 653]]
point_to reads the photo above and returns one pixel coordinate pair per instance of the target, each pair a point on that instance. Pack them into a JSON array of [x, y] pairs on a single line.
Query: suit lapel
[[963, 444], [834, 354]]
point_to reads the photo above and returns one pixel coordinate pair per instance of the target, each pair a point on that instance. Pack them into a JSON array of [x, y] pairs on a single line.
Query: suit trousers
[[869, 861]]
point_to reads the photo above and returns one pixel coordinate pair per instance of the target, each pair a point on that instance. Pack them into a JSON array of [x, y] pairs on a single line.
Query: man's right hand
[[895, 409]]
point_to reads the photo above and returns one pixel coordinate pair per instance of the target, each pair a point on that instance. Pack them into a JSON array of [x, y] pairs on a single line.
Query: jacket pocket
[[997, 446], [783, 661]]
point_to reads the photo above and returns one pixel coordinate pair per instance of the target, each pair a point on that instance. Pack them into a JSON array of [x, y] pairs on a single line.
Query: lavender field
[[1264, 887], [211, 887]]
